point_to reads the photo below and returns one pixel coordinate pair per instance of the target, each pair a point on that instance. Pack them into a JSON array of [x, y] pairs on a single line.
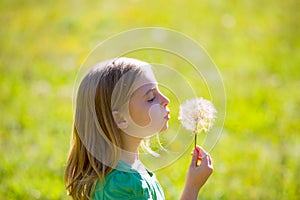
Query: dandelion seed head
[[197, 115]]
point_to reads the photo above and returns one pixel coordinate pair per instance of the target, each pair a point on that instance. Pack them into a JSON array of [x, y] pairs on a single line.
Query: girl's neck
[[133, 160], [129, 157], [130, 147]]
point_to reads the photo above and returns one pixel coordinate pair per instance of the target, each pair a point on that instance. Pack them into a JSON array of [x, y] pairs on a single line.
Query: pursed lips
[[167, 117]]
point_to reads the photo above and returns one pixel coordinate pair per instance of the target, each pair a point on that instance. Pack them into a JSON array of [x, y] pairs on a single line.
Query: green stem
[[195, 140], [195, 132]]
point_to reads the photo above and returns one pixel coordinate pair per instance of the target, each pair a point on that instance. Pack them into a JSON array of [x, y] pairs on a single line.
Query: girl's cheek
[[156, 112]]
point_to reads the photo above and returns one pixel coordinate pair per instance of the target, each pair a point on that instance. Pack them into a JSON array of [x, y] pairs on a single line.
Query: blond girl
[[118, 105]]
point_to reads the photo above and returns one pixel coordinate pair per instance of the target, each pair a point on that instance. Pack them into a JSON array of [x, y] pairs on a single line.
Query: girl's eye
[[151, 100]]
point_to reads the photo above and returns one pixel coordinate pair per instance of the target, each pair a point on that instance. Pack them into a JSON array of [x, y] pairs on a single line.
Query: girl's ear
[[120, 120]]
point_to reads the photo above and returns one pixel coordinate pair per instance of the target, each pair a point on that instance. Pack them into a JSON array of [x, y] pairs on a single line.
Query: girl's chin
[[165, 127]]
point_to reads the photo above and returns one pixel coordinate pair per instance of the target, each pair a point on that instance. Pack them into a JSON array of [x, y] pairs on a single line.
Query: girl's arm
[[197, 175]]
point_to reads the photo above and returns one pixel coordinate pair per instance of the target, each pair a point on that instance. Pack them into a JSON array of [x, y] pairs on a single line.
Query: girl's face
[[146, 112], [149, 106]]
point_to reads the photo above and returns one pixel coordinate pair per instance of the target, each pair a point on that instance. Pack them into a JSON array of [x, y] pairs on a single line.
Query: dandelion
[[197, 115]]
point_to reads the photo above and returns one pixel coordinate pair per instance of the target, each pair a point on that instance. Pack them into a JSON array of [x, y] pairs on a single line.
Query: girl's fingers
[[194, 158], [202, 151], [205, 160], [203, 156], [197, 156], [210, 161]]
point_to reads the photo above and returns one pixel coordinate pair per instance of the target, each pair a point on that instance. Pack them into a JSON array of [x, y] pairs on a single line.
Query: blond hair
[[95, 144]]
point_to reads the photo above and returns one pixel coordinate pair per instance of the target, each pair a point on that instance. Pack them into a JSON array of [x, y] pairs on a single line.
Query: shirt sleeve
[[122, 185]]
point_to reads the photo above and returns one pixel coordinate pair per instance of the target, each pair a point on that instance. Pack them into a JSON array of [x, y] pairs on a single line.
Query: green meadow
[[255, 44]]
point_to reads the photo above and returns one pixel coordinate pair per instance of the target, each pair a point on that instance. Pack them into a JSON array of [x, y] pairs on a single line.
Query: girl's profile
[[118, 105]]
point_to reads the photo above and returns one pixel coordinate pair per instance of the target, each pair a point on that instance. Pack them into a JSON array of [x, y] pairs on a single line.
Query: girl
[[118, 105]]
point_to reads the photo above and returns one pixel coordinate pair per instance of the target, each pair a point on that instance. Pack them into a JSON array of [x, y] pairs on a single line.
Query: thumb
[[194, 158]]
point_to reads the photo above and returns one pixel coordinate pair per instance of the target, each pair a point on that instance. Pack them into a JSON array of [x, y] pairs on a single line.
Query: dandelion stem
[[195, 132]]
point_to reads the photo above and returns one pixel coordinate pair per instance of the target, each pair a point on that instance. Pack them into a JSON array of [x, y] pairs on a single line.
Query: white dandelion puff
[[197, 115]]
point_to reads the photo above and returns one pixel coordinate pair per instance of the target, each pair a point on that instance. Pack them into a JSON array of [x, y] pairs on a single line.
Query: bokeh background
[[255, 45]]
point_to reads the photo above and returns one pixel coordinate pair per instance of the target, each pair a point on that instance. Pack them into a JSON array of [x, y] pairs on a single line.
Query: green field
[[255, 44]]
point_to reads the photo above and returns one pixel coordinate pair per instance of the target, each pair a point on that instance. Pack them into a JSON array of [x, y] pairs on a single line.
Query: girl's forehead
[[145, 79]]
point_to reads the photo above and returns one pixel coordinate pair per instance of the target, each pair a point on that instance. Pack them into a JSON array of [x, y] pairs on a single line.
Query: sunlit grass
[[254, 44]]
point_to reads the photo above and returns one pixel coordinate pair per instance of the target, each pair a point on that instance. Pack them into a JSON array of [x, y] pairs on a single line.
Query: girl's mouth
[[167, 117]]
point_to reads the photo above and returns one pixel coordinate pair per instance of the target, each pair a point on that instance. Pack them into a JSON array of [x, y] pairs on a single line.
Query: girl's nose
[[164, 100]]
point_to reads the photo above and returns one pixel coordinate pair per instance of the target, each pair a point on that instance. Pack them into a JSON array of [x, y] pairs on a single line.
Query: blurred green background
[[255, 44]]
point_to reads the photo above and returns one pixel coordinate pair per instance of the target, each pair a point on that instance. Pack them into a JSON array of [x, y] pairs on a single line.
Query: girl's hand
[[197, 173]]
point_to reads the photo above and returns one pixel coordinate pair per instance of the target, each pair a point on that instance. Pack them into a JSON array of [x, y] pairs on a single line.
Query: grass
[[255, 44]]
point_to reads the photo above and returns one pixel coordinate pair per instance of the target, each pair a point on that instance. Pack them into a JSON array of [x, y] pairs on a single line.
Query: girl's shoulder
[[122, 183], [126, 178]]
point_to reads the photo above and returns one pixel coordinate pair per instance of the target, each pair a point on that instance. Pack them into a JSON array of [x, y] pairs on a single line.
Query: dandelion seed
[[197, 115]]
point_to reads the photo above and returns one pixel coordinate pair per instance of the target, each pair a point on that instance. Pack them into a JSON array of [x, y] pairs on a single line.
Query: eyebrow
[[150, 90]]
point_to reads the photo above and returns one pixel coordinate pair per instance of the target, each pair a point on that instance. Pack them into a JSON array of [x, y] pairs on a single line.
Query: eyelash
[[151, 100]]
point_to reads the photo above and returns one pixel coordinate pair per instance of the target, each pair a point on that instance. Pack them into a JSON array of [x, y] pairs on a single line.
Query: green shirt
[[127, 183]]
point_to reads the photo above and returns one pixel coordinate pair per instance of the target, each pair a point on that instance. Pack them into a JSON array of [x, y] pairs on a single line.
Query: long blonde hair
[[95, 144]]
